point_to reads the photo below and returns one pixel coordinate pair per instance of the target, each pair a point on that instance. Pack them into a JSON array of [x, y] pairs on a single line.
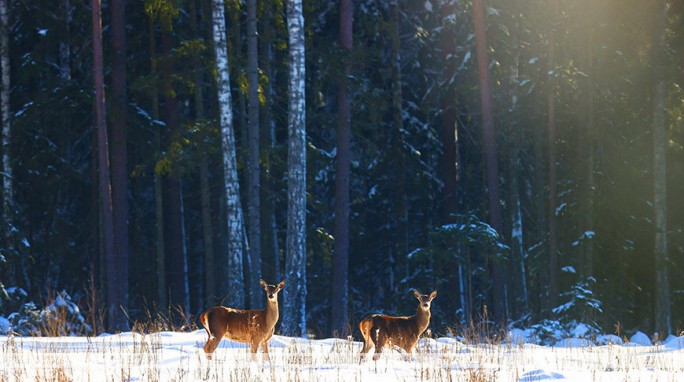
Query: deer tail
[[204, 319], [365, 326]]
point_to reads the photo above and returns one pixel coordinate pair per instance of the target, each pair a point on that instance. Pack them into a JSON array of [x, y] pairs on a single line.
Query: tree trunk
[[208, 274], [8, 207], [115, 318], [235, 279], [340, 281], [294, 317], [162, 298], [254, 171], [521, 296], [663, 325], [401, 204], [491, 160], [119, 152], [173, 214], [267, 192], [586, 158], [552, 292]]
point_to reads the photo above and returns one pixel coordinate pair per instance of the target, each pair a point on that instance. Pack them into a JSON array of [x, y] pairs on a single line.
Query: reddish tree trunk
[[491, 160], [114, 318]]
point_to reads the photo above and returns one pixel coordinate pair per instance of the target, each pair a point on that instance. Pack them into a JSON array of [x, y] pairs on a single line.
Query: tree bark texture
[[8, 208], [119, 154], [552, 292], [254, 172], [663, 319], [235, 223], [491, 159], [294, 317], [173, 213], [115, 318], [340, 286]]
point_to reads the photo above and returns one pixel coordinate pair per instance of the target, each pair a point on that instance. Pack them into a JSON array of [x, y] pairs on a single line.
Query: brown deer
[[381, 331], [254, 327]]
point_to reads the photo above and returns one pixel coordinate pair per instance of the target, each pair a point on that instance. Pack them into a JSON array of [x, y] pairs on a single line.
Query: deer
[[254, 327], [381, 330]]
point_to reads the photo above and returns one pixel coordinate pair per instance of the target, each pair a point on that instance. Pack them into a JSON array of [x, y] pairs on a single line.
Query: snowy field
[[171, 356]]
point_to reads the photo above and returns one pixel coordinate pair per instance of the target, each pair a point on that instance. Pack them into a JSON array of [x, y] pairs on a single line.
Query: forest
[[521, 157]]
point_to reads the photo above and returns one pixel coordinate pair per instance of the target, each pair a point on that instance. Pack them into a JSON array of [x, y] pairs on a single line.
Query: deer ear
[[416, 293], [263, 283], [281, 285], [433, 294]]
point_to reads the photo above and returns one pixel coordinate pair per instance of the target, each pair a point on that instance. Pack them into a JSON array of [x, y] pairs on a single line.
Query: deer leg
[[367, 345], [409, 353], [381, 341], [253, 347], [211, 345], [265, 357]]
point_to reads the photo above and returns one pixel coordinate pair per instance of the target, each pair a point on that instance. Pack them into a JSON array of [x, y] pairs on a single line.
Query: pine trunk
[[491, 159], [119, 152], [552, 292], [162, 298], [663, 319], [400, 249], [340, 282], [254, 171], [115, 319], [272, 248], [7, 169]]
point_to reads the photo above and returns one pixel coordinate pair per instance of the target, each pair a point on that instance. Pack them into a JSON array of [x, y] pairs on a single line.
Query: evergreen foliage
[[604, 94]]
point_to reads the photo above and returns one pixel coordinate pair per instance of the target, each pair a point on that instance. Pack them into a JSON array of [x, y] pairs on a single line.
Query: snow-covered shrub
[[61, 317], [640, 339], [548, 332], [609, 339], [4, 325], [555, 332], [11, 300]]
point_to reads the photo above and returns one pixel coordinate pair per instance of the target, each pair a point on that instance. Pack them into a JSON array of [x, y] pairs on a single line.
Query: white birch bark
[[294, 317], [235, 294]]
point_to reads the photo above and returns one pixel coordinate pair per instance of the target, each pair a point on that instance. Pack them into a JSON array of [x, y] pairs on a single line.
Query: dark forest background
[[586, 158]]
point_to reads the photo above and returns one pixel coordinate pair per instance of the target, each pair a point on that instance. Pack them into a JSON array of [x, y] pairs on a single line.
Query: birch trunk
[[235, 279], [294, 317]]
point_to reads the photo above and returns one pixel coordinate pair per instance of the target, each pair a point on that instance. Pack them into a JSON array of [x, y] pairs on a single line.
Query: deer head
[[272, 290], [424, 299]]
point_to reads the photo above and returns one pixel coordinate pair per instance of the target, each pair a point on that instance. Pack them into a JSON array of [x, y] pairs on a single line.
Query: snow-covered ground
[[169, 356]]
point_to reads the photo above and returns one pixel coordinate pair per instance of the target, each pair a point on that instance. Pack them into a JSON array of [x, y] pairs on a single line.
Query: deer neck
[[271, 312], [422, 318]]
